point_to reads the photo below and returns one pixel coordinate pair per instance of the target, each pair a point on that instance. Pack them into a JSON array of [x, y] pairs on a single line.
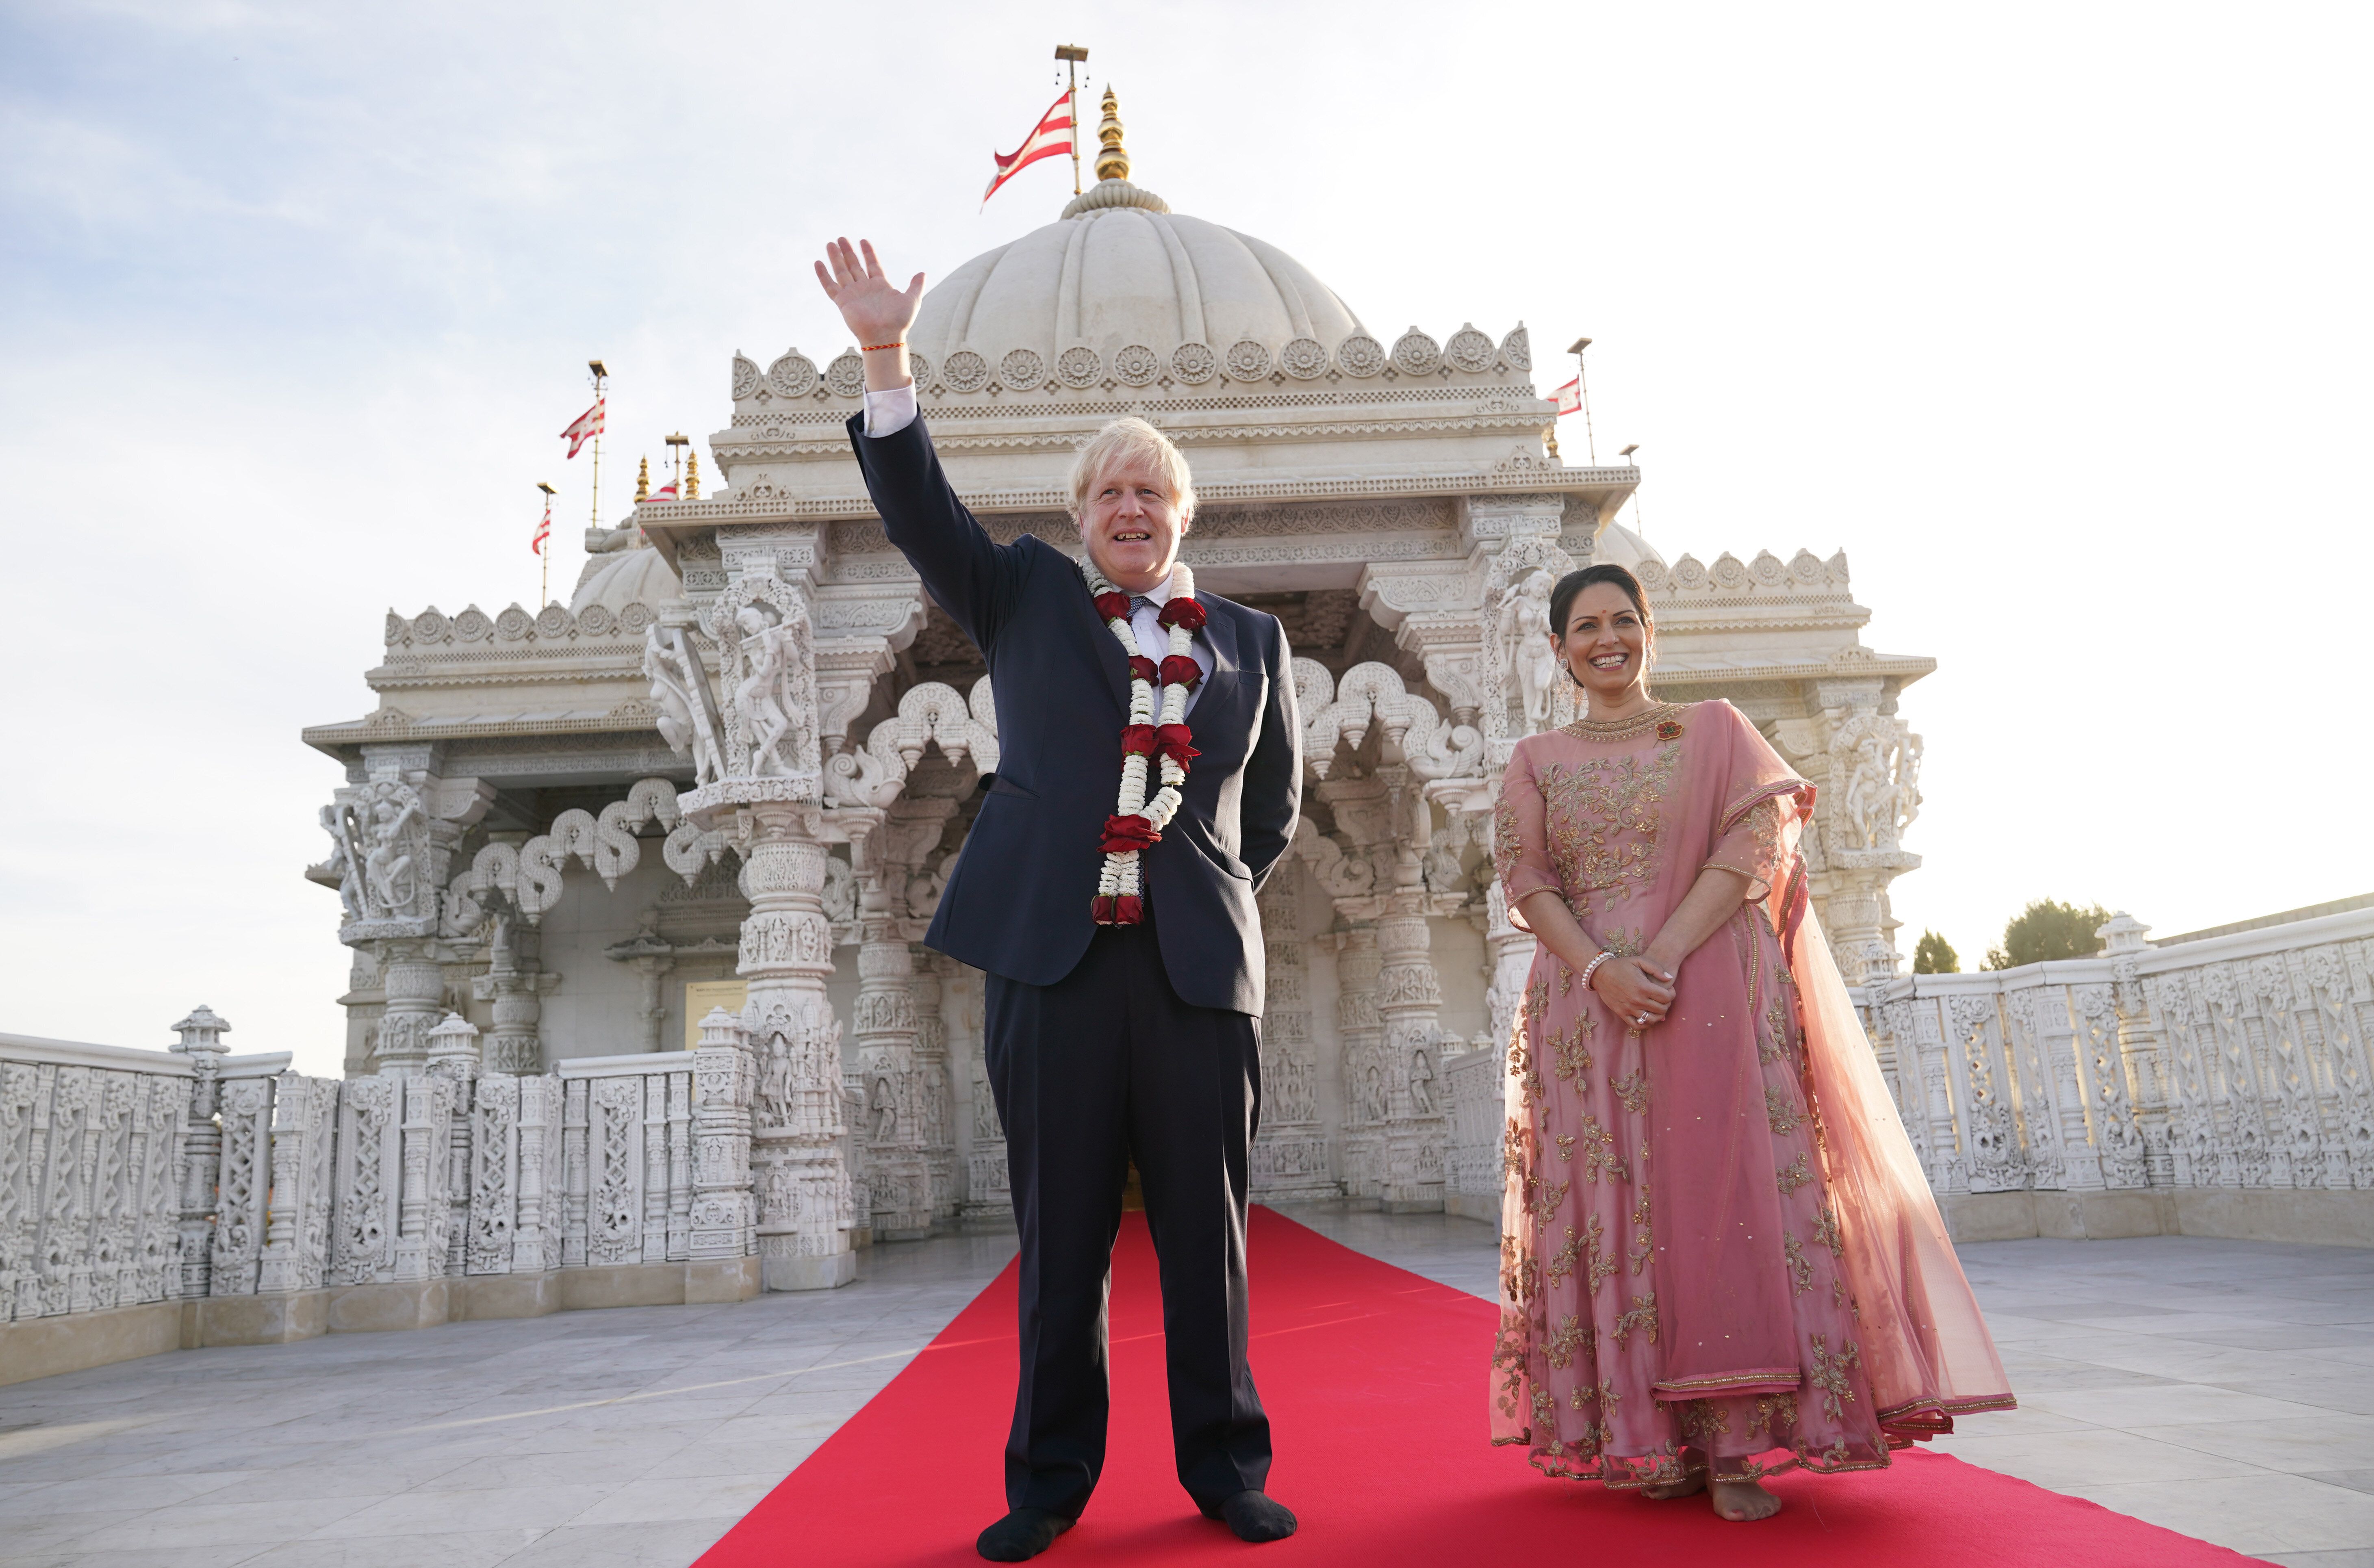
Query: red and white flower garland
[[1138, 823]]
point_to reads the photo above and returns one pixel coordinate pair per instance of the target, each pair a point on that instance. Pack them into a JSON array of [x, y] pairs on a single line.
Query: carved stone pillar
[[1368, 1093], [454, 1055], [414, 983], [394, 828], [517, 988], [725, 1213], [989, 1193], [1409, 1000], [760, 769], [1289, 1159], [1507, 959], [898, 1175], [2125, 941], [202, 1042], [785, 954], [936, 1094]]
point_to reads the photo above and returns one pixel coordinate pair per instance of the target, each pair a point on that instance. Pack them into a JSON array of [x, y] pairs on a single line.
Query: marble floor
[[2222, 1388]]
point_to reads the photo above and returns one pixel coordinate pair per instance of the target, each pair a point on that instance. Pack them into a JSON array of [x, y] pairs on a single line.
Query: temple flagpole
[[601, 377], [544, 544], [1074, 56]]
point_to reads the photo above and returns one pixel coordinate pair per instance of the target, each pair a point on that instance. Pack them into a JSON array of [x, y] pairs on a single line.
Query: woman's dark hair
[[1562, 597]]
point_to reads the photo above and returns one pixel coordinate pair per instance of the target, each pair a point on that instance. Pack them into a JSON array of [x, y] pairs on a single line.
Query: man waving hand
[[1150, 773]]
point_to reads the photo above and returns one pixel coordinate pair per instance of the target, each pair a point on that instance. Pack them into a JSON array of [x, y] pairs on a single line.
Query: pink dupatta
[[1925, 1346]]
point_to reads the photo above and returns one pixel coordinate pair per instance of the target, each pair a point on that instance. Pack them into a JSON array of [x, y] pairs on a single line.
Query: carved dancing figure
[[1106, 1043], [1834, 1326], [886, 1111], [387, 878], [1524, 626], [1871, 798], [767, 655]]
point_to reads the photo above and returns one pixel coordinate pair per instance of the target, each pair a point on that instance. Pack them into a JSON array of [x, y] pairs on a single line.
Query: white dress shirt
[[888, 412]]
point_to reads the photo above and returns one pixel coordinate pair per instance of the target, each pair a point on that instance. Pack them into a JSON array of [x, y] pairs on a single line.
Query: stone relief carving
[[1875, 772], [528, 877], [1373, 694], [684, 712], [1529, 661], [930, 712]]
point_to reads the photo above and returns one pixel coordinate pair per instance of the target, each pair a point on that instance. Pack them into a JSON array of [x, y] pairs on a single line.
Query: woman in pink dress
[[1720, 1256]]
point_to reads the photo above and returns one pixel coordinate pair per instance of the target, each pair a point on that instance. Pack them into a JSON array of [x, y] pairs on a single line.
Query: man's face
[[1130, 526]]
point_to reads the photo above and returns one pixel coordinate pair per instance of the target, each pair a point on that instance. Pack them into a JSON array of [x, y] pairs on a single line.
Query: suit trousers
[[1105, 1066]]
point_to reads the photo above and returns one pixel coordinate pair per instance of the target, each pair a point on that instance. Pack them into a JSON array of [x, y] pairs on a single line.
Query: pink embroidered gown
[[1716, 1233]]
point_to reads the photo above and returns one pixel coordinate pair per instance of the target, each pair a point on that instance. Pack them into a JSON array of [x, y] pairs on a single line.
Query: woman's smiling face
[[1605, 642]]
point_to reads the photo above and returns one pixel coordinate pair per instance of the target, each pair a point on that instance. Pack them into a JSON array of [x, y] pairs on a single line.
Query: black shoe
[[1256, 1516], [1023, 1535]]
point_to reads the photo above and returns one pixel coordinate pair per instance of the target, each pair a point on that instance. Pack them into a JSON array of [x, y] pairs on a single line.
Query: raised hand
[[877, 310]]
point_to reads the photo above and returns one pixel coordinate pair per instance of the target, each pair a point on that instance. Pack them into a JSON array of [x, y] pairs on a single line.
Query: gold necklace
[[1656, 716]]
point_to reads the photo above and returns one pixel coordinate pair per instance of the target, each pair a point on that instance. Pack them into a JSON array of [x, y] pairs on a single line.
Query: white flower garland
[[1120, 886]]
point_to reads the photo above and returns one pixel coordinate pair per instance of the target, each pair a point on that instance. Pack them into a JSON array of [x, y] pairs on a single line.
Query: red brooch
[[1669, 730]]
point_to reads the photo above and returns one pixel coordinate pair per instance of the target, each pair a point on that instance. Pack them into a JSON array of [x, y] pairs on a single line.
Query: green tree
[[2047, 930], [1935, 955]]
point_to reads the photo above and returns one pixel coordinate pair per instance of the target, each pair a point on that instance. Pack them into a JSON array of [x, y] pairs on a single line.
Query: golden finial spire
[[1112, 161], [692, 474], [643, 483]]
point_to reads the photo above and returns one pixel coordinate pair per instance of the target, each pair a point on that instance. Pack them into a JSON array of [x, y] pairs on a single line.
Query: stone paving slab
[[2221, 1388]]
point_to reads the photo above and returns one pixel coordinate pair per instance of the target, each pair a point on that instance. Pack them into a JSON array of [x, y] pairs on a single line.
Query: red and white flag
[[588, 426], [1051, 136], [1569, 397], [543, 529], [664, 493]]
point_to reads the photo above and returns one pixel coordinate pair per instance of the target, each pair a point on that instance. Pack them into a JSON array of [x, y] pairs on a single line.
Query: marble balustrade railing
[[107, 1180], [132, 1177], [2236, 1064]]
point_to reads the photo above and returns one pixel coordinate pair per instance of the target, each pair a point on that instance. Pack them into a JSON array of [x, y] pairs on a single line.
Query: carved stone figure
[[762, 693], [1526, 654], [1421, 1084], [1876, 764], [681, 715], [389, 883], [342, 867]]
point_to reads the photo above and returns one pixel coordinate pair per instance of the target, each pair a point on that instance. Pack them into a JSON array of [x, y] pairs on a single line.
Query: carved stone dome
[[1149, 293], [1123, 291]]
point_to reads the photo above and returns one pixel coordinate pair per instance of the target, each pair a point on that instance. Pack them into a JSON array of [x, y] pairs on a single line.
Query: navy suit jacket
[[1017, 904]]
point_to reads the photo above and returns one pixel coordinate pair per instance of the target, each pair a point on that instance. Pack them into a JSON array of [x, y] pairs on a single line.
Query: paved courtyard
[[2221, 1388]]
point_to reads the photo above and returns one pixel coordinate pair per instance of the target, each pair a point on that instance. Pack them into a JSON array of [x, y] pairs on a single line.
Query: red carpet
[[1374, 1379]]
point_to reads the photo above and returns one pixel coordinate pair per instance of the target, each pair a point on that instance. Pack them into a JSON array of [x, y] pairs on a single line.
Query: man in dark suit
[[1105, 1042]]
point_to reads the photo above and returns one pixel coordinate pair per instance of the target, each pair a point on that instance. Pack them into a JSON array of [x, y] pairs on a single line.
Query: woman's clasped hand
[[1638, 992]]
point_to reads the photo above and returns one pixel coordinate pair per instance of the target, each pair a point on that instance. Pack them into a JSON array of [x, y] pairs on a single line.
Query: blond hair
[[1127, 441]]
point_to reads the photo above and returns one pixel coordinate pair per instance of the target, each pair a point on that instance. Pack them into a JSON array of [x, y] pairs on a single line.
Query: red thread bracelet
[[878, 348]]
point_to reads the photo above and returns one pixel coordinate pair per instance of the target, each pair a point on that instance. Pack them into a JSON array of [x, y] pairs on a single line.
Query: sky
[[2053, 317]]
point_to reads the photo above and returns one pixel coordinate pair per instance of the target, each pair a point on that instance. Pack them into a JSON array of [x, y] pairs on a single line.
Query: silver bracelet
[[1593, 967]]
